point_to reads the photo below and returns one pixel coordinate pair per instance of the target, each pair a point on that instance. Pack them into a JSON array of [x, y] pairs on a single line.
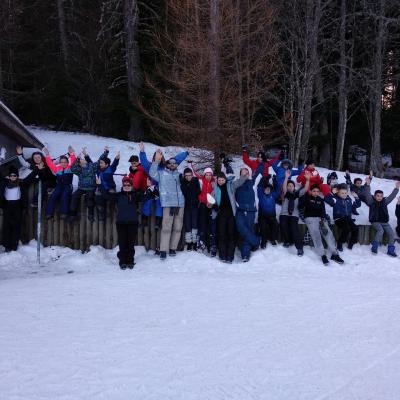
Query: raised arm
[[115, 163], [180, 157], [49, 161], [153, 172], [392, 195], [76, 168], [284, 185], [21, 158], [72, 156], [246, 159], [367, 192]]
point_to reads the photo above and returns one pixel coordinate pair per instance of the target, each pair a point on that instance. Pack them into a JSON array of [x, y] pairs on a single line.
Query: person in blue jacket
[[267, 222], [246, 210], [343, 207], [105, 172], [280, 167]]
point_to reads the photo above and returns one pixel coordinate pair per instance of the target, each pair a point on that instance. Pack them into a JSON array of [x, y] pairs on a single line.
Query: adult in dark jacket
[[289, 217], [126, 219], [190, 187], [379, 217], [86, 171], [226, 210], [315, 218], [343, 207], [246, 211], [105, 172], [13, 200], [41, 171]]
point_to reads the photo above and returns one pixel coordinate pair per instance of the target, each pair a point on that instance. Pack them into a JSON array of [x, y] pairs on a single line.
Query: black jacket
[[191, 190], [24, 187], [378, 211], [312, 206], [45, 175], [127, 204]]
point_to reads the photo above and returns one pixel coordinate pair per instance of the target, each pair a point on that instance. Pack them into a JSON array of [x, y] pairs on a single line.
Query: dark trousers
[[245, 226], [226, 234], [290, 230], [347, 228], [76, 198], [207, 227], [12, 220], [126, 242], [190, 222], [62, 193], [269, 228]]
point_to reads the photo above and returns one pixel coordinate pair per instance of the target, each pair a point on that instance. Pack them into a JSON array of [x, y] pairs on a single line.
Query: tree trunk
[[324, 149], [376, 98], [131, 21], [343, 100], [214, 85], [63, 33]]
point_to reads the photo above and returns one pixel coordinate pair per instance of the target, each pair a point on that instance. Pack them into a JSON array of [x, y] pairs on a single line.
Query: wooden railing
[[81, 234]]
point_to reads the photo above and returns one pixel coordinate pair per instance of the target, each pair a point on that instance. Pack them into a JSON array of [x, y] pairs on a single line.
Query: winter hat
[[134, 159], [13, 170], [208, 170], [126, 179]]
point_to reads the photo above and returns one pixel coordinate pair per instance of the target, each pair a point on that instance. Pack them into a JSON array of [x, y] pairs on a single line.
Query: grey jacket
[[169, 186]]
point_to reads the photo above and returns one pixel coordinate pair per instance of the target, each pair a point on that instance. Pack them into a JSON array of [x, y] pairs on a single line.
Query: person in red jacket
[[315, 178], [205, 230], [261, 157], [137, 174]]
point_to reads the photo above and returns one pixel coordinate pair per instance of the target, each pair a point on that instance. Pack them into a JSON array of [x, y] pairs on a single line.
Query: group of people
[[215, 211]]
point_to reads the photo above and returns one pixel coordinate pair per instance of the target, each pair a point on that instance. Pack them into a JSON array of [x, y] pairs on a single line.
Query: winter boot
[[374, 247], [189, 247], [213, 251], [263, 245], [392, 250], [245, 259], [300, 252], [163, 255], [350, 246], [325, 260], [201, 245], [339, 246], [194, 246], [157, 252], [355, 212], [286, 245], [337, 259], [172, 253], [273, 242], [130, 266], [123, 266]]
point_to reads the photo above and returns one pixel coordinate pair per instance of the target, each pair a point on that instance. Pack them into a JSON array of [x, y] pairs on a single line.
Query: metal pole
[[39, 221]]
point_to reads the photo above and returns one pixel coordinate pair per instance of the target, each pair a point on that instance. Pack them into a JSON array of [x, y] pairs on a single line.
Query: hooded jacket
[[63, 175], [342, 208]]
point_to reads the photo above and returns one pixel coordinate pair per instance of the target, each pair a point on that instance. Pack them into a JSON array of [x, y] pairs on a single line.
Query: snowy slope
[[191, 328], [58, 142]]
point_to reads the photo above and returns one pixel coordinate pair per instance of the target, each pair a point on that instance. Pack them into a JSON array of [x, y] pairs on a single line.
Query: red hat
[[127, 179]]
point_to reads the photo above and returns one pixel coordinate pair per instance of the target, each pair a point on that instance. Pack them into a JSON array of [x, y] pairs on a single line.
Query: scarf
[[291, 197]]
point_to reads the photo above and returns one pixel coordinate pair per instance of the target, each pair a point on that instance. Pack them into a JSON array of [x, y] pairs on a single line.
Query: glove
[[245, 147]]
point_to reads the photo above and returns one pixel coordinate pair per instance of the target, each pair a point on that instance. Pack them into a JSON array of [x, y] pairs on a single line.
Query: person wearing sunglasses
[[172, 202], [13, 200]]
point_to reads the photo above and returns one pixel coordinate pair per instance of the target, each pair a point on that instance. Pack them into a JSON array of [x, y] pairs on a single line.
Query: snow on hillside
[[58, 142], [191, 328]]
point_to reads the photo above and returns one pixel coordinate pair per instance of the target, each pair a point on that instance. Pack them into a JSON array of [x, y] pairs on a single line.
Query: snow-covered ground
[[191, 328]]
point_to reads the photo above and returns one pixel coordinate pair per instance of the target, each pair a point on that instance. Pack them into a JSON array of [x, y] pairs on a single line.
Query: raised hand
[[84, 151], [368, 180], [354, 194], [71, 150], [307, 175], [158, 156], [46, 151], [106, 148], [19, 150], [334, 190], [118, 155], [141, 146], [288, 172], [398, 185]]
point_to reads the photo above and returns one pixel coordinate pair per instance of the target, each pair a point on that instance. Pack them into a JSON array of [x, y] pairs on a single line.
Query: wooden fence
[[82, 233]]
